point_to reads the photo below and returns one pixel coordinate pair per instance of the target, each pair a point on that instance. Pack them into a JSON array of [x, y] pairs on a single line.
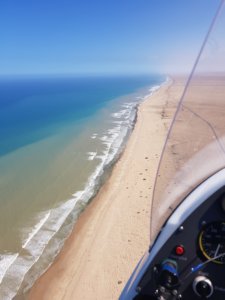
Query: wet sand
[[113, 233]]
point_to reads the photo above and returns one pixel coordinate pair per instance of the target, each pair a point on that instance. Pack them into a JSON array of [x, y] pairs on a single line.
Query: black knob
[[203, 286], [168, 276]]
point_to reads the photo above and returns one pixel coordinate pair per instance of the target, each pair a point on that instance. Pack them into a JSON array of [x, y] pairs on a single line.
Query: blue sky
[[100, 36]]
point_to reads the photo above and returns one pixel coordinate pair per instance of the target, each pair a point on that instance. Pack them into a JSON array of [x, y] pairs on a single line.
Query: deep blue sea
[[58, 139], [33, 109]]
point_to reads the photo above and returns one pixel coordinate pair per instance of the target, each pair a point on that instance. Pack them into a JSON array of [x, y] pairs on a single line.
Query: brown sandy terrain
[[196, 148], [114, 231]]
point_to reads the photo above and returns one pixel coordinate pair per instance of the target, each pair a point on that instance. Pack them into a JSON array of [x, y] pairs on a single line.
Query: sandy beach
[[113, 233]]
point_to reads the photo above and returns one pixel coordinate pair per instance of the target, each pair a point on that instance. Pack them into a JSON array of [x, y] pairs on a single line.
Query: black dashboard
[[191, 264]]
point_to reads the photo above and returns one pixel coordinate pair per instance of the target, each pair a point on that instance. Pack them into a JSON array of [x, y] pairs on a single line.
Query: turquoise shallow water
[[58, 137]]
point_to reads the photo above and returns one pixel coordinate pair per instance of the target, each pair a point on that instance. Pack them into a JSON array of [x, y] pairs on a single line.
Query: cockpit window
[[195, 146]]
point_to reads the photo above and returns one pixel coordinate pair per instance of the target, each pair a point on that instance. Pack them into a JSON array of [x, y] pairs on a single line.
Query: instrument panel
[[191, 264]]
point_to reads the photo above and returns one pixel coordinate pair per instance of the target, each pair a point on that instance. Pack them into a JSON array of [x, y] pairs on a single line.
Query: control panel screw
[[174, 292], [138, 289], [203, 223], [162, 289], [181, 228], [156, 292]]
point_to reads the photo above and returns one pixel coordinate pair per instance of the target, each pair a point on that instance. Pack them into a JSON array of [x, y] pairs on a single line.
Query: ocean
[[59, 138]]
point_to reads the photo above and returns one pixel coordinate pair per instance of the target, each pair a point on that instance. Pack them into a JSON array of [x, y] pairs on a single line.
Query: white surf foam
[[91, 155], [94, 136], [36, 228], [119, 114], [6, 260], [154, 89], [16, 266]]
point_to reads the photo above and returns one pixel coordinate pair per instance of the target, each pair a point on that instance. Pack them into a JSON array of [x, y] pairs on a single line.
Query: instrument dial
[[212, 242]]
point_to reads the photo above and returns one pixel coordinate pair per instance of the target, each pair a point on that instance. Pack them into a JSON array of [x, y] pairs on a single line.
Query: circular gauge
[[212, 242]]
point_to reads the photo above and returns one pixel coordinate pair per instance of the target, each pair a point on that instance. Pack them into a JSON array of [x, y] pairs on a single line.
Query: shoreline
[[44, 238], [105, 244]]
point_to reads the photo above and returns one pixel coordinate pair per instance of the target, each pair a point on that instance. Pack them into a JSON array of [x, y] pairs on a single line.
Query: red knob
[[179, 250]]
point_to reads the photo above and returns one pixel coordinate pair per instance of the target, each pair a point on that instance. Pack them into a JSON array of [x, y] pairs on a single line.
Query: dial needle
[[199, 266], [217, 250]]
